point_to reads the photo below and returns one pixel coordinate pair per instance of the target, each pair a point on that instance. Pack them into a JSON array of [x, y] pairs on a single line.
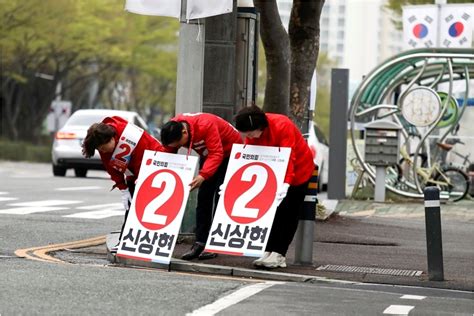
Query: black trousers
[[286, 219], [207, 201]]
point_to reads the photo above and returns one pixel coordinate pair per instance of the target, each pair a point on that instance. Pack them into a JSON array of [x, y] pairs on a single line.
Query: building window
[[324, 47], [342, 9], [340, 48], [340, 34], [340, 22]]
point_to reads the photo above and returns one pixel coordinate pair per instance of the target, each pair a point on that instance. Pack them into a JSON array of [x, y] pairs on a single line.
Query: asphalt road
[[37, 209]]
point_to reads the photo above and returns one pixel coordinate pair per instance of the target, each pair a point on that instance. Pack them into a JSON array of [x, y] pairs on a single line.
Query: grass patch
[[22, 151]]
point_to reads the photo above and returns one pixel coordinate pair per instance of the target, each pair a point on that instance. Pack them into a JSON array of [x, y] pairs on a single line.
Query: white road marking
[[101, 206], [3, 193], [29, 210], [78, 188], [398, 309], [2, 199], [413, 297], [45, 203], [231, 299], [99, 211], [97, 214]]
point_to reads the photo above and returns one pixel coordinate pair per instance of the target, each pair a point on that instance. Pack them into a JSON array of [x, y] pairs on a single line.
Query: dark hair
[[171, 132], [97, 134], [250, 118]]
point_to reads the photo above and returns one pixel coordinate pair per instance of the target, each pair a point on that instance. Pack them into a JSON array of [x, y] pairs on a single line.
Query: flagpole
[[439, 3]]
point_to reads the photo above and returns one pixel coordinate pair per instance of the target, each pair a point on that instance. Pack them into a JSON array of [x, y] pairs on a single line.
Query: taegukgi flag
[[420, 26], [456, 25]]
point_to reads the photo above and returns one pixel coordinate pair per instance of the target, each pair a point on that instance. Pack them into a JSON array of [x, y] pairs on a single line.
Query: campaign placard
[[158, 205], [247, 203]]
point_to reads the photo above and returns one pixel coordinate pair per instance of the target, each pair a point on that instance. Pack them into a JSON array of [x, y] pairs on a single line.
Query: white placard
[[247, 205], [158, 205], [420, 26]]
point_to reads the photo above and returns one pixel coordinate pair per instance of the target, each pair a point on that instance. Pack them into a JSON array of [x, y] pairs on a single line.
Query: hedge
[[22, 151]]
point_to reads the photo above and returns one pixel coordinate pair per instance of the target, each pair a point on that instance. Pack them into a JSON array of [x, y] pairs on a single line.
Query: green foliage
[[21, 151], [323, 99], [102, 55]]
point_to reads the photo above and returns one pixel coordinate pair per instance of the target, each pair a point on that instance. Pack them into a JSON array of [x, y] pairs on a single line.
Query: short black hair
[[171, 132], [250, 118]]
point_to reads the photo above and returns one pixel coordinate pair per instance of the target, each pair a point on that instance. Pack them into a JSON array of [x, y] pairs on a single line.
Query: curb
[[179, 265]]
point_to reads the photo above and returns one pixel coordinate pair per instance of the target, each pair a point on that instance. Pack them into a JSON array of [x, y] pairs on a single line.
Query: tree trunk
[[304, 44], [277, 52]]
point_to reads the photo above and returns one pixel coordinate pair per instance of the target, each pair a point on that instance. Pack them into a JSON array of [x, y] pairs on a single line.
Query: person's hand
[[221, 189], [282, 193], [126, 199], [197, 181]]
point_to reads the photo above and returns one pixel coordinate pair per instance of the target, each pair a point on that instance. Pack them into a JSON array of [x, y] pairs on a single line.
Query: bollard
[[305, 232], [434, 244]]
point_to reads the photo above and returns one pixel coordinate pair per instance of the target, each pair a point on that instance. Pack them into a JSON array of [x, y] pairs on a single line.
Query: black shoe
[[195, 251], [207, 255]]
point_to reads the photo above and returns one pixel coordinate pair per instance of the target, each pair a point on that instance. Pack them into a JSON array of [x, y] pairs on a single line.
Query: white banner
[[170, 8], [420, 26], [196, 9], [456, 25], [247, 205], [158, 205]]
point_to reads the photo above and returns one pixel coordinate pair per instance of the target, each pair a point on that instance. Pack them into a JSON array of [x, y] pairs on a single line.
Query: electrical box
[[382, 146]]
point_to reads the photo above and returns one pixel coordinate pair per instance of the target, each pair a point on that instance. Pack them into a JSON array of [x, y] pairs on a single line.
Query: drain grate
[[385, 271]]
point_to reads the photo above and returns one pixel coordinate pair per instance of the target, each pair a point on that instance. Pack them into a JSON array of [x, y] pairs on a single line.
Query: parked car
[[320, 147], [67, 150]]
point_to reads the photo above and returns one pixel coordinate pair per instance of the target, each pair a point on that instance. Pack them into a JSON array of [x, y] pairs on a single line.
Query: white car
[[319, 146], [67, 150]]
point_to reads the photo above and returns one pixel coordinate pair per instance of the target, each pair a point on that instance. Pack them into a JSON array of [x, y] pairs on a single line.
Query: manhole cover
[[354, 269]]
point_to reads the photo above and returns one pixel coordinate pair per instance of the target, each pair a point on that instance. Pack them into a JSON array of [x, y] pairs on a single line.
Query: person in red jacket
[[212, 138], [121, 146], [267, 129]]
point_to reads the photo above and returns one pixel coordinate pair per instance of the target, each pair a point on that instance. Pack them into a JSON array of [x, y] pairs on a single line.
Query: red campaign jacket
[[283, 133], [212, 138], [146, 142]]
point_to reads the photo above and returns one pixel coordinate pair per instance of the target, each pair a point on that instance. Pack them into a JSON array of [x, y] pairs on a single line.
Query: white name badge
[[246, 207], [158, 205], [125, 146]]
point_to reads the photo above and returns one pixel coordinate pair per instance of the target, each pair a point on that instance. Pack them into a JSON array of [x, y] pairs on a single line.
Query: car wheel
[[80, 172], [59, 171]]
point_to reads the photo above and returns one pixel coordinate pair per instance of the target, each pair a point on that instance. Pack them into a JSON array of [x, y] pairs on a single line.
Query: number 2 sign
[[158, 205], [247, 206]]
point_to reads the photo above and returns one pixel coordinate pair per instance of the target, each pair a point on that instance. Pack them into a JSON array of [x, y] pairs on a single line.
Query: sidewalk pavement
[[362, 241]]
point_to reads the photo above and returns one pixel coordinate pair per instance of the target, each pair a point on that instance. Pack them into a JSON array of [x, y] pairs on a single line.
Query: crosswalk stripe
[[97, 214], [3, 199], [30, 210], [45, 203], [398, 309], [101, 206], [78, 188]]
